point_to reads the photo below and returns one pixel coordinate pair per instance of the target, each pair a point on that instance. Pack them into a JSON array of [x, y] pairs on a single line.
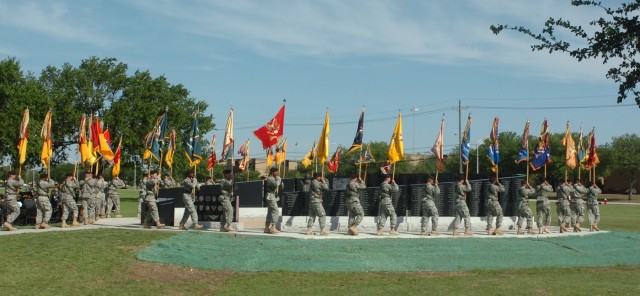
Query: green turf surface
[[259, 253]]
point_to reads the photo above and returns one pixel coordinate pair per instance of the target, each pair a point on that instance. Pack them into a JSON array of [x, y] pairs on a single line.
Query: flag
[[438, 149], [272, 131], [281, 151], [357, 140], [192, 144], [161, 130], [213, 158], [23, 138], [570, 145], [116, 159], [308, 159], [93, 157], [322, 152], [585, 159], [493, 152], [542, 155], [148, 143], [103, 146], [593, 155], [85, 155], [45, 133], [367, 156], [581, 153], [466, 138], [386, 167], [396, 145], [228, 138], [524, 145], [335, 160], [171, 149], [269, 157], [107, 136], [244, 152]]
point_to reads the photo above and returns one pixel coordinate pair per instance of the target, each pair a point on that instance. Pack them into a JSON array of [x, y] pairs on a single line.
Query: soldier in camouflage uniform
[[461, 210], [113, 199], [562, 206], [68, 202], [388, 188], [593, 210], [43, 204], [87, 186], [152, 185], [168, 182], [226, 184], [493, 206], [543, 210], [11, 189], [189, 185], [142, 192], [429, 209], [317, 188], [273, 185], [577, 206], [524, 211], [100, 201], [356, 213]]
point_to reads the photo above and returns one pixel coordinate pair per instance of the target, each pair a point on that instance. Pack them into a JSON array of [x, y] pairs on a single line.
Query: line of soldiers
[[95, 202]]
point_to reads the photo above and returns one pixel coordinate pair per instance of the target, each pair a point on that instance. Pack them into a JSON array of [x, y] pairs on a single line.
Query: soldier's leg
[[520, 218], [359, 214], [529, 216], [46, 210], [13, 211], [273, 211], [434, 218], [109, 205], [490, 212], [228, 213], [580, 218], [560, 213], [393, 217], [92, 208], [322, 217], [153, 211], [116, 203], [547, 215], [186, 199], [467, 218], [312, 215], [65, 210], [73, 206], [590, 215], [573, 214], [39, 211], [382, 217], [140, 199], [192, 210], [425, 217], [499, 215], [596, 214], [85, 206]]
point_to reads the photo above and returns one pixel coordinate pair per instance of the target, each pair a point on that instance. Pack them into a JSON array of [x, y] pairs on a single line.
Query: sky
[[420, 58]]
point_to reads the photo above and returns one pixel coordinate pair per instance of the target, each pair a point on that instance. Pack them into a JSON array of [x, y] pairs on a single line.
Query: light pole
[[478, 143], [413, 130]]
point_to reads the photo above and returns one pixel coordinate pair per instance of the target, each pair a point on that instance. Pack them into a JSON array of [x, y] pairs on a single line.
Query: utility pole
[[460, 134]]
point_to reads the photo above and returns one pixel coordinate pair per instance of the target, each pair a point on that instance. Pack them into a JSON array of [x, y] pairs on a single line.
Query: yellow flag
[[322, 151], [571, 153], [396, 145], [308, 159], [24, 137], [269, 158], [82, 141], [45, 133], [281, 152]]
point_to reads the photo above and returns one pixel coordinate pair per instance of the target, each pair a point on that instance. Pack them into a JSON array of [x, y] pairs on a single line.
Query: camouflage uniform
[[11, 189], [68, 202], [493, 207], [189, 186], [226, 219], [151, 186], [43, 204], [317, 189], [113, 196], [461, 210], [168, 182], [142, 192], [564, 213], [356, 213], [593, 210], [273, 184], [429, 209], [577, 206], [100, 201], [88, 196], [386, 209], [524, 211], [543, 210]]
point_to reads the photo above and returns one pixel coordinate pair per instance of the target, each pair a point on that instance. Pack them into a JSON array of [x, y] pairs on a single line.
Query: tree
[[625, 158], [615, 39]]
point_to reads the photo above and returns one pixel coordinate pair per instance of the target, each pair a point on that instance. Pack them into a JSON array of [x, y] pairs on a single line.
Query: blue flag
[[466, 137], [524, 145], [494, 150], [192, 144], [542, 155]]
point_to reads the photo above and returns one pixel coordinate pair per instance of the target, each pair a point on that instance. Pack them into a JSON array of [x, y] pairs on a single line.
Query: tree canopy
[[613, 40]]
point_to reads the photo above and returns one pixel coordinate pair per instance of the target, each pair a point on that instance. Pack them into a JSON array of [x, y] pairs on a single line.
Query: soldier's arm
[[436, 189], [467, 187], [501, 188]]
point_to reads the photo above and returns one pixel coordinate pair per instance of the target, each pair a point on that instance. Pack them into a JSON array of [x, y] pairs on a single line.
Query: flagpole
[[393, 176], [466, 176], [545, 170], [366, 166]]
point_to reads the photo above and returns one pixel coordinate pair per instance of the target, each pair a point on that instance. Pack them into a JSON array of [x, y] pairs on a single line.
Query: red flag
[[271, 132], [107, 136], [335, 160], [96, 129], [213, 160], [437, 149]]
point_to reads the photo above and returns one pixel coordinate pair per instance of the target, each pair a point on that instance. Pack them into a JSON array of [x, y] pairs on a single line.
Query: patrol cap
[[273, 170], [12, 173], [188, 172], [316, 174], [88, 172], [43, 176], [153, 172], [69, 175]]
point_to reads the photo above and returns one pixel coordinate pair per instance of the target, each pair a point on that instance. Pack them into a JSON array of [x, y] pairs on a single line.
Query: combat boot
[[272, 229], [138, 215], [64, 224], [467, 231], [562, 229], [579, 227], [108, 216], [541, 230], [197, 226], [489, 232], [547, 230], [146, 224], [324, 231], [455, 232], [37, 226], [529, 230], [350, 230], [393, 231], [85, 221], [181, 227], [519, 231], [498, 231], [591, 228], [309, 231], [379, 232], [355, 230], [75, 222], [423, 233], [9, 226], [44, 225], [159, 225], [118, 216], [228, 228], [595, 226], [435, 232], [266, 228]]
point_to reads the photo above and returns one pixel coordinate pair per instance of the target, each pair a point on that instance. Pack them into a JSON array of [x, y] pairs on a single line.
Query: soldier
[[317, 188], [87, 186], [273, 185], [209, 181], [543, 210], [593, 209], [11, 189], [100, 200], [227, 184], [524, 211], [353, 204], [577, 206], [68, 202], [141, 194], [388, 188], [461, 210], [151, 186], [562, 206], [113, 196], [189, 185], [429, 209], [493, 205], [168, 182], [43, 204]]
